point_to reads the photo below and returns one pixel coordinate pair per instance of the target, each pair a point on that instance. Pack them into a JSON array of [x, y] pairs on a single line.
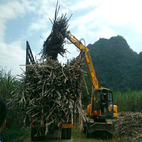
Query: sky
[[28, 20]]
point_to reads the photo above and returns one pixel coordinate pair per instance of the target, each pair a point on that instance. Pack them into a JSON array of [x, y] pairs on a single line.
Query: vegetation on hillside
[[117, 66]]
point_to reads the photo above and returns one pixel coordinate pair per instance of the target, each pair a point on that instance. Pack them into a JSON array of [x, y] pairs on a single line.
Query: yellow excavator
[[101, 111]]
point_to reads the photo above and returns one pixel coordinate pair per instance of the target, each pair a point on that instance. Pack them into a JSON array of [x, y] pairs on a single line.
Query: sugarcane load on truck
[[52, 90]]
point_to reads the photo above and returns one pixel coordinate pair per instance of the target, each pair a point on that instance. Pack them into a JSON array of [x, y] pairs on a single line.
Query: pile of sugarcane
[[129, 124], [53, 91], [54, 43]]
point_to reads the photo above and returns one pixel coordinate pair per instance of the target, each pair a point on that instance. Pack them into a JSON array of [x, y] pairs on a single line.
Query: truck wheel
[[34, 134], [69, 133], [64, 133]]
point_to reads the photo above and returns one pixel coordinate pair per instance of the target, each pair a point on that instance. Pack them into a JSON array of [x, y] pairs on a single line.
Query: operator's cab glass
[[103, 99], [110, 99], [106, 93]]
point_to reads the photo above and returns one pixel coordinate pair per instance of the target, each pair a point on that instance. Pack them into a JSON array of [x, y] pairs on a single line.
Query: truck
[[101, 111], [38, 131]]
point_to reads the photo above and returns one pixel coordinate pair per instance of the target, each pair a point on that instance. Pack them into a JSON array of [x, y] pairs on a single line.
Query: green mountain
[[117, 66]]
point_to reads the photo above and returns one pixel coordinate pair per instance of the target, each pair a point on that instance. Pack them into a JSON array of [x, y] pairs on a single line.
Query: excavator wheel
[[88, 135], [108, 135]]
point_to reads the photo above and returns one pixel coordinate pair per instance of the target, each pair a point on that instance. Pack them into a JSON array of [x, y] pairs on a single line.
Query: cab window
[[109, 96]]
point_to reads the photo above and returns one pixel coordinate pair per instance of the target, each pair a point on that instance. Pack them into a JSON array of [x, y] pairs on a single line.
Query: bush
[[9, 86]]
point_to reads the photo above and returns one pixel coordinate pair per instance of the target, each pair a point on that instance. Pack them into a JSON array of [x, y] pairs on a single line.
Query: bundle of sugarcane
[[53, 91], [129, 124], [54, 43]]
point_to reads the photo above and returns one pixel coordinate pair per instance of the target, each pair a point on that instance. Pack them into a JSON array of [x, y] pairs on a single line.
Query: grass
[[128, 101], [13, 134], [8, 83]]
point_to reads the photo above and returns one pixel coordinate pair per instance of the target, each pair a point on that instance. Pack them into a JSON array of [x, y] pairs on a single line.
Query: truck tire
[[63, 136], [69, 133], [34, 134], [66, 133]]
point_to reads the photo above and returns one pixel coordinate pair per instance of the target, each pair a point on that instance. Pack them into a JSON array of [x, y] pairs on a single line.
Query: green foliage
[[7, 84], [13, 134], [116, 65], [128, 101]]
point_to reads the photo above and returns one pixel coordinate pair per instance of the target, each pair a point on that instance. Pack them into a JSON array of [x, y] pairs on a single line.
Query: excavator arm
[[87, 57]]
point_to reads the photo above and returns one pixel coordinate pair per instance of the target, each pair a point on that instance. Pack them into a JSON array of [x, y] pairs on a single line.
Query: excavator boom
[[87, 57]]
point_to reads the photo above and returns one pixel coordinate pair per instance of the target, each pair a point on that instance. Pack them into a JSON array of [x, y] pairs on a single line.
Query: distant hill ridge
[[117, 66]]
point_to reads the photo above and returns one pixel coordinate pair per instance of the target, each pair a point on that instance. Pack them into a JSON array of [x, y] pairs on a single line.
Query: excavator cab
[[102, 104], [101, 112]]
